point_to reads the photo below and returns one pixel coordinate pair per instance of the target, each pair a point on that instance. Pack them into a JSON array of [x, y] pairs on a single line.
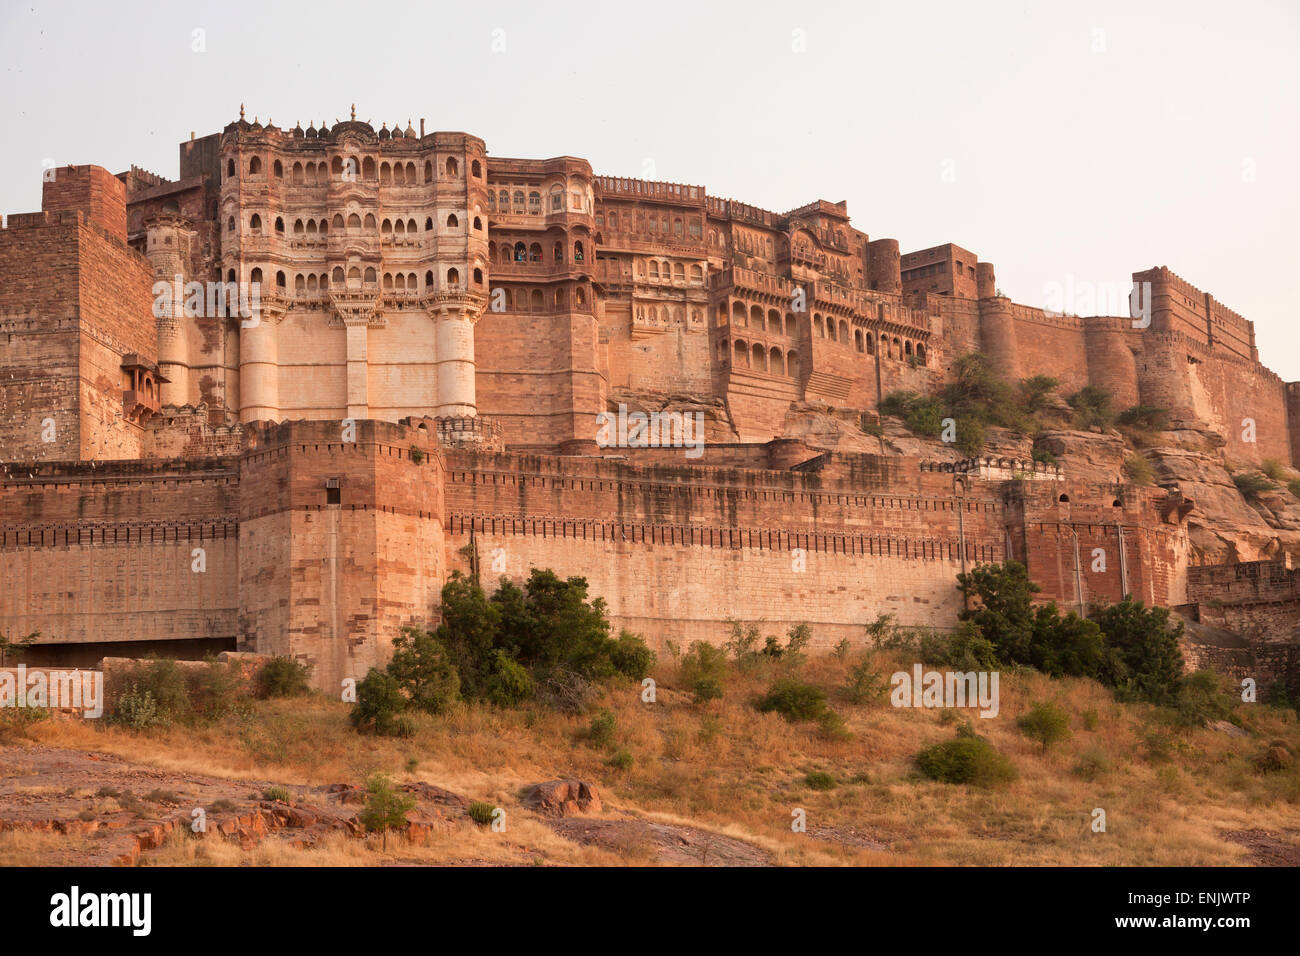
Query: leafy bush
[[1203, 697], [277, 795], [631, 657], [1092, 408], [621, 760], [1144, 418], [380, 707], [820, 780], [283, 677], [510, 683], [864, 685], [842, 648], [1143, 658], [1293, 486], [1277, 757], [793, 700], [215, 691], [1138, 470], [970, 759], [1273, 468], [480, 812], [703, 670], [423, 670], [600, 732], [1092, 764], [1035, 391], [385, 808], [1252, 484], [1046, 723], [156, 695]]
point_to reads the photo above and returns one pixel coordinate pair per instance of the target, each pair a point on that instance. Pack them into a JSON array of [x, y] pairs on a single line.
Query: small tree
[[385, 809], [283, 677], [380, 707], [15, 647], [1046, 723], [423, 669], [703, 669]]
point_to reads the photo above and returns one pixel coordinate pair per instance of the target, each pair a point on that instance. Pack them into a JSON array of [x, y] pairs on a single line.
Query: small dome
[[410, 132], [297, 131], [311, 130], [383, 132]]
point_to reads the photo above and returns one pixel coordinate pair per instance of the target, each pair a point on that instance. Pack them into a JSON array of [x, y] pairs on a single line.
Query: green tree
[[703, 669], [385, 809], [1005, 613], [423, 669], [1046, 723], [381, 706], [1144, 658]]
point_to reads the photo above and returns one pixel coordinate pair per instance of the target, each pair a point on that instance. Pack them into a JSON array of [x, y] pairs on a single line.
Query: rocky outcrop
[[562, 798]]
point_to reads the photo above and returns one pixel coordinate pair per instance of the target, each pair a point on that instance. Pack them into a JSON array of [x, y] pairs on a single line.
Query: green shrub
[[385, 808], [631, 656], [1144, 418], [1277, 757], [842, 649], [1138, 470], [481, 813], [283, 677], [970, 760], [1252, 484], [1273, 468], [424, 671], [1089, 718], [216, 691], [793, 700], [743, 645], [833, 726], [1092, 408], [820, 780], [1047, 723], [1092, 764], [864, 685], [621, 760], [703, 670], [1203, 697], [156, 695], [1293, 486], [380, 707], [600, 732], [277, 795], [510, 683], [1143, 659]]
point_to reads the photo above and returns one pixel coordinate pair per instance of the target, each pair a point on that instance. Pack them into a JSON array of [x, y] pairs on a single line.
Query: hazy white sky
[[1063, 142]]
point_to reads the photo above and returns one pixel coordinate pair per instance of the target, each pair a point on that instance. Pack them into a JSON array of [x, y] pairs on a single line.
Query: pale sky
[[1063, 142]]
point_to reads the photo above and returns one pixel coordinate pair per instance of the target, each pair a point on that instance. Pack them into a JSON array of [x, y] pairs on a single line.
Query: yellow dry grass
[[728, 768]]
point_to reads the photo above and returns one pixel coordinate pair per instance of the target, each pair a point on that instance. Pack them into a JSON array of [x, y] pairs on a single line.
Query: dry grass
[[728, 768]]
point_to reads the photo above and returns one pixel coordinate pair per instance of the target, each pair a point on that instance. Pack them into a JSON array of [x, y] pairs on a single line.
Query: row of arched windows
[[759, 358], [670, 271], [401, 282], [354, 223], [536, 300], [396, 174], [518, 252], [517, 202], [894, 348], [756, 318]]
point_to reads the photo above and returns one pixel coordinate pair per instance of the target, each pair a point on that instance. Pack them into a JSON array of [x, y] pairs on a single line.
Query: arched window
[[337, 275], [400, 228], [792, 364], [453, 279], [775, 364], [478, 276], [857, 340], [535, 252], [521, 252], [254, 166], [372, 277], [299, 283], [368, 168], [354, 223], [581, 296], [558, 252], [871, 344], [255, 223], [428, 280], [254, 276], [338, 221], [230, 169], [920, 353], [370, 221], [230, 224], [819, 329], [478, 224], [277, 170], [298, 228], [385, 174], [742, 355], [476, 170], [536, 303], [844, 332], [577, 252], [760, 358], [279, 279], [279, 224], [756, 319], [452, 221]]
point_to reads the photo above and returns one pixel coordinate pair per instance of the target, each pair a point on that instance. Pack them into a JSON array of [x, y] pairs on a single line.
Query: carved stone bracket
[[357, 308]]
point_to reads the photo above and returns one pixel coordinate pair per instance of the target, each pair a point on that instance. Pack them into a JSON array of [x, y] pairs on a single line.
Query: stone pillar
[[998, 337], [259, 360], [884, 266], [166, 237], [986, 284], [454, 316]]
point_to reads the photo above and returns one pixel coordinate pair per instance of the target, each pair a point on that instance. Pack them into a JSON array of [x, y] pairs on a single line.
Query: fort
[[438, 339]]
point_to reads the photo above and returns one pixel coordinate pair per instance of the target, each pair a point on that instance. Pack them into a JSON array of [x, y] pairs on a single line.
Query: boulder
[[562, 798]]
